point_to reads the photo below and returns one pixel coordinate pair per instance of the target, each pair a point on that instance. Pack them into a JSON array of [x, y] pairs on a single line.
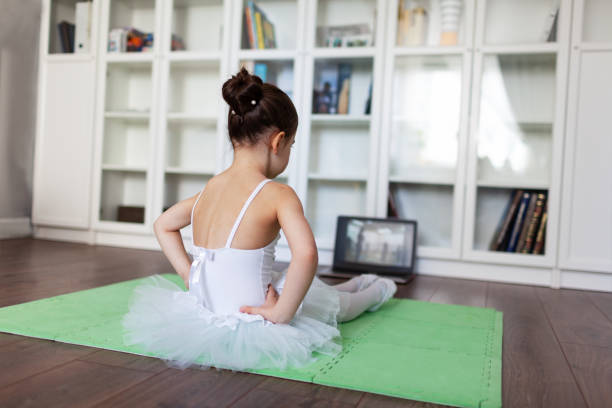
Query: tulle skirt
[[168, 321]]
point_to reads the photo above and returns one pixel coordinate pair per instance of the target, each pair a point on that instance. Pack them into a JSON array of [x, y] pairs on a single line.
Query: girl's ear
[[275, 141]]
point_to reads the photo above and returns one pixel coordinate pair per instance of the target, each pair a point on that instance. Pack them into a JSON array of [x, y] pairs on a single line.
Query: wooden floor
[[557, 346]]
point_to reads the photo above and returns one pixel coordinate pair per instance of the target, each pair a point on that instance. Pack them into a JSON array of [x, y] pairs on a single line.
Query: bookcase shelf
[[193, 88], [467, 106], [128, 87], [197, 25], [121, 188]]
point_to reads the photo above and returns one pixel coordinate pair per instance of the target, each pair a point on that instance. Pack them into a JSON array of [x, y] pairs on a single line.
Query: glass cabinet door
[[514, 110], [425, 128], [520, 21]]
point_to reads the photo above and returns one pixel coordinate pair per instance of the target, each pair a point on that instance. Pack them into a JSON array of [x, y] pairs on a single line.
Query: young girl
[[238, 312]]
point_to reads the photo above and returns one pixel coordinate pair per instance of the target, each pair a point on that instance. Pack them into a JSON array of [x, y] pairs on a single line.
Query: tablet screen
[[379, 242]]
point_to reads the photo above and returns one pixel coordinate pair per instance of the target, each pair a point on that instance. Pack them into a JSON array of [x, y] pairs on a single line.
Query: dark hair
[[256, 107]]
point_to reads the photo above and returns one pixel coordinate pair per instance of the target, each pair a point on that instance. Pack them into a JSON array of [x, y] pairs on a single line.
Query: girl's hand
[[185, 280], [267, 309]]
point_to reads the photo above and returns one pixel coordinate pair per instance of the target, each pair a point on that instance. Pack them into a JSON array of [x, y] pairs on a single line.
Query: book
[[368, 104], [391, 206], [534, 224], [260, 39], [518, 222], [268, 30], [538, 248], [500, 238], [528, 216], [549, 33], [344, 80], [249, 17], [261, 70], [66, 33]]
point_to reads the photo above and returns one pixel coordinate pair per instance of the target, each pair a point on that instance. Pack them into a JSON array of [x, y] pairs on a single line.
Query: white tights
[[354, 302]]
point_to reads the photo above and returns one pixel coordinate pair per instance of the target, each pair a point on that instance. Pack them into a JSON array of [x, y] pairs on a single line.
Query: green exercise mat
[[446, 354]]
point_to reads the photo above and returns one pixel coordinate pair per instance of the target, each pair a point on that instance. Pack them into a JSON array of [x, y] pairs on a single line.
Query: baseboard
[[461, 269], [15, 227]]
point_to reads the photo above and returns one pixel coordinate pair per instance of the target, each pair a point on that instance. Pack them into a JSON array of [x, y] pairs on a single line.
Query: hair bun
[[243, 92]]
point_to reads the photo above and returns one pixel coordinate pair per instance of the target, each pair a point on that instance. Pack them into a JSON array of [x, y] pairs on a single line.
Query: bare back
[[219, 205]]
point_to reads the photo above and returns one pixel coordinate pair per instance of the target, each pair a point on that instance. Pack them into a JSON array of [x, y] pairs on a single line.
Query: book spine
[[251, 7], [518, 223], [541, 237], [499, 241], [527, 222], [248, 27], [344, 75], [391, 206], [533, 225], [261, 70], [260, 40]]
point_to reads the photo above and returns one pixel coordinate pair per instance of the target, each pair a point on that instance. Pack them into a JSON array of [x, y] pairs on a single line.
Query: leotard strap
[[243, 210], [192, 208]]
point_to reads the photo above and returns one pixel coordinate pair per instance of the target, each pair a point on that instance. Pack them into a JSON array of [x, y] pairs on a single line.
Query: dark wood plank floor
[[557, 347]]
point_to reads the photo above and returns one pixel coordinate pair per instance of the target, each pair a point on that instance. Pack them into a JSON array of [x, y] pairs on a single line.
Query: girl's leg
[[356, 283], [350, 285], [354, 304]]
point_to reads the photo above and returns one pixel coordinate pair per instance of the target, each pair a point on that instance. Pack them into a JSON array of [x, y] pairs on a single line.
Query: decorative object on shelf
[[117, 40], [549, 34], [66, 35], [349, 35], [325, 95], [412, 23], [177, 43], [450, 15], [257, 31], [130, 213], [129, 39]]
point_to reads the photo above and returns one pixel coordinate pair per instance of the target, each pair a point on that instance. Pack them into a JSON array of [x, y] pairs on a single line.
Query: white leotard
[[205, 326], [227, 278]]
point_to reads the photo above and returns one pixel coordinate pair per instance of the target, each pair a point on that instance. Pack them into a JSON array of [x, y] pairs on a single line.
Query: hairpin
[[233, 112], [253, 101]]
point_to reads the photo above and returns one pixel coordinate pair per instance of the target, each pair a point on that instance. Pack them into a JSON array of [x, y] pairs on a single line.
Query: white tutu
[[168, 321]]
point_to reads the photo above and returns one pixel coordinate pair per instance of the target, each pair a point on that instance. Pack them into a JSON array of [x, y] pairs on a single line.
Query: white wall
[[19, 35]]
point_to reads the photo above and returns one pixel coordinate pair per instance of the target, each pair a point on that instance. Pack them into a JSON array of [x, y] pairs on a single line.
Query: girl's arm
[[167, 230], [304, 260]]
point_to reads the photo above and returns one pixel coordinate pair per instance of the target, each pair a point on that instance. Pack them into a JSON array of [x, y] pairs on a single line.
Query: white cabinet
[[586, 218], [64, 132]]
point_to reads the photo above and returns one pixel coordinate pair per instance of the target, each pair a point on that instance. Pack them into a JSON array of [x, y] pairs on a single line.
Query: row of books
[[331, 94], [522, 228], [258, 31]]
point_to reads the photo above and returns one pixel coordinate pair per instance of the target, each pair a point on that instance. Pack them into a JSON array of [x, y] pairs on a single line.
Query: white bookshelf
[[452, 129]]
